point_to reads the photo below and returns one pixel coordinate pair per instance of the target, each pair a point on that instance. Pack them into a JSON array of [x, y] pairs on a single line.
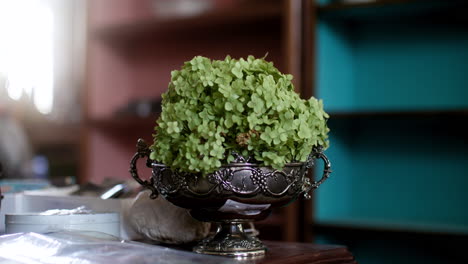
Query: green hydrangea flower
[[214, 107]]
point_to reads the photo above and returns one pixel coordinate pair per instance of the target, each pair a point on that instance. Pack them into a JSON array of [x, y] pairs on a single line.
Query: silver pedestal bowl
[[237, 193]]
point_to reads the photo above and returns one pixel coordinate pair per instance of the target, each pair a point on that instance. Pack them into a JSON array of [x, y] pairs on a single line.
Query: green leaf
[[228, 106]]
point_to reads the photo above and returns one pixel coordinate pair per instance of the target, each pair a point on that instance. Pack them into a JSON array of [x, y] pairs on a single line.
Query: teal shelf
[[384, 225], [452, 115], [393, 75]]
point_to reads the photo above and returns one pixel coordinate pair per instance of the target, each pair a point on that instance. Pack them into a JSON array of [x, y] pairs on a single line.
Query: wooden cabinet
[[393, 77], [134, 45]]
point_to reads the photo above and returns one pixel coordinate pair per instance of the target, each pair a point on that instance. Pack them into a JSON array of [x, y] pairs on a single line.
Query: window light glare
[[14, 91], [26, 51]]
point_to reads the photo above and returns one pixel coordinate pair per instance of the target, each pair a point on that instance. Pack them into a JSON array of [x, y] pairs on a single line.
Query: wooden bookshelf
[[132, 50]]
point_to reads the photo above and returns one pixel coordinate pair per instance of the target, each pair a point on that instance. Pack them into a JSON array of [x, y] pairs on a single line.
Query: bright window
[[26, 51]]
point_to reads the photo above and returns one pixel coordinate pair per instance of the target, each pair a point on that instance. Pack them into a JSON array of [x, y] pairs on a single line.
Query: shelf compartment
[[409, 172], [392, 66]]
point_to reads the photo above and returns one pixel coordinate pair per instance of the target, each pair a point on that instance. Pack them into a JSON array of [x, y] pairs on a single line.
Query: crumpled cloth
[[160, 220]]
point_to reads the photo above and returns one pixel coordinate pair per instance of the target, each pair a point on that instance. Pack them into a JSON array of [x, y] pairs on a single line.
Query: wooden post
[[309, 19], [292, 50]]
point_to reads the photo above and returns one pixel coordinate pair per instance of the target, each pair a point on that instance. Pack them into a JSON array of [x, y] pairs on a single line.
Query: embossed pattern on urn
[[241, 182]]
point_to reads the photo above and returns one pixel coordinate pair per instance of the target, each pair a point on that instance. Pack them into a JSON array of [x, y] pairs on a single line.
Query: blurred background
[[80, 82]]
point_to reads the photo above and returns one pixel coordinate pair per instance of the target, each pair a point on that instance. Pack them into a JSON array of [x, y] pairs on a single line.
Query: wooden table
[[289, 253], [302, 253]]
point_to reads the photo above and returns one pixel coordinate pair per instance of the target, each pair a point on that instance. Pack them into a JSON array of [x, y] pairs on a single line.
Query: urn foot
[[230, 240]]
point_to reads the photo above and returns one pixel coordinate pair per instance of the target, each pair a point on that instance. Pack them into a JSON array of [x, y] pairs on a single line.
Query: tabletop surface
[[305, 253], [297, 253]]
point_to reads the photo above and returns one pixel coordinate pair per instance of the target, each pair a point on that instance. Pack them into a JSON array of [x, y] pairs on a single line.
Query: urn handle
[[142, 151], [317, 153]]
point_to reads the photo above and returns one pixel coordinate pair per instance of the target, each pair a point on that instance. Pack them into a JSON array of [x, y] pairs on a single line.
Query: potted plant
[[234, 140]]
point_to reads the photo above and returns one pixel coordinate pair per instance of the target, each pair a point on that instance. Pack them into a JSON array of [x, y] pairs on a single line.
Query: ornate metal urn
[[236, 193]]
